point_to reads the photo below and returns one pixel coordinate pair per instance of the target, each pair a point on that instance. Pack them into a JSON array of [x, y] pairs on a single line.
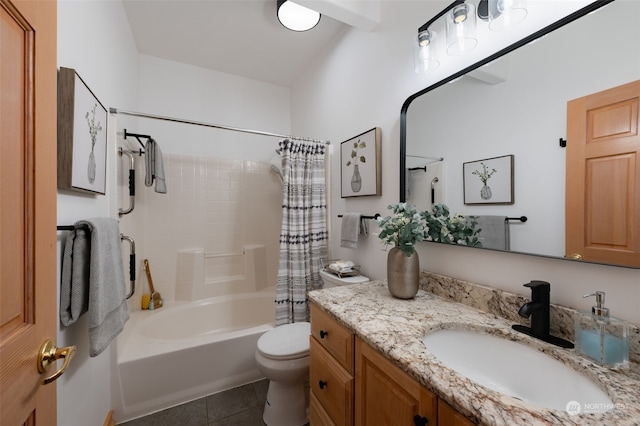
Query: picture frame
[[82, 136], [360, 165], [488, 181]]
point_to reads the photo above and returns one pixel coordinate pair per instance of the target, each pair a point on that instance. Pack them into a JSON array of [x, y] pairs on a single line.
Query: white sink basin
[[513, 369]]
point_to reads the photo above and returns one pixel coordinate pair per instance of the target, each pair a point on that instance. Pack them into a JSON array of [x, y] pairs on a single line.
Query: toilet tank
[[331, 280]]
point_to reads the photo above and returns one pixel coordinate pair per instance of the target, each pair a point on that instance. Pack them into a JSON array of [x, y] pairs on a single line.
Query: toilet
[[283, 357]]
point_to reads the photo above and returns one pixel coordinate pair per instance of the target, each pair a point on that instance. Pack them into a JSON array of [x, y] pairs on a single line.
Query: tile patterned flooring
[[241, 406]]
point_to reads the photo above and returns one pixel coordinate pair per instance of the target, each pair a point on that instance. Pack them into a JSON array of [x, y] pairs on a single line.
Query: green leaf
[[353, 154], [362, 159], [362, 145], [348, 163], [355, 145]]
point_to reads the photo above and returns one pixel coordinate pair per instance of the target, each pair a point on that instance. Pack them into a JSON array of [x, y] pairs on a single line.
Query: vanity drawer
[[318, 416], [333, 336], [331, 385]]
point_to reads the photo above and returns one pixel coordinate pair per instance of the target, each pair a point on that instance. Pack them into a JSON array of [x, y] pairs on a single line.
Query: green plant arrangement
[[404, 229], [441, 226], [407, 226]]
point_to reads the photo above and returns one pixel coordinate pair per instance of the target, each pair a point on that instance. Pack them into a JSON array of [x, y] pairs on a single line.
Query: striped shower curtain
[[303, 236]]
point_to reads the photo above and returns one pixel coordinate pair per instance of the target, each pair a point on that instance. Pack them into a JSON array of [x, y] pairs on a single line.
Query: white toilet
[[283, 357]]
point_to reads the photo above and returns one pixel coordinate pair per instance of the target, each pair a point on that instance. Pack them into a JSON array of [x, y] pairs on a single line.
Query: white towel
[[350, 230], [154, 166], [104, 295]]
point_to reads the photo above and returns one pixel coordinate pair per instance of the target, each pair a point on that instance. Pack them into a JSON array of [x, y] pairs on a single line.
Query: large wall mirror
[[509, 114]]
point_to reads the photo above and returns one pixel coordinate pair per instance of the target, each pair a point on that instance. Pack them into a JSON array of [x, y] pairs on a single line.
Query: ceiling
[[240, 37]]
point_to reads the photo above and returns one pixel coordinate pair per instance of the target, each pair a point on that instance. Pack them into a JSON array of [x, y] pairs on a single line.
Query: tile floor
[[241, 406]]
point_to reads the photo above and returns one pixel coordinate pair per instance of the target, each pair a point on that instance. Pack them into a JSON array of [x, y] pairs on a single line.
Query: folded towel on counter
[[154, 166], [350, 230], [93, 281], [494, 232]]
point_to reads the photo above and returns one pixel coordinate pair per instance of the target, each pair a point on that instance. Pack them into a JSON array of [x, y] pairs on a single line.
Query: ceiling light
[[296, 17]]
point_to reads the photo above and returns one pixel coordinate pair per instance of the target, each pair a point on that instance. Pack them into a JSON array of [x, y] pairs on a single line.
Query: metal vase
[[403, 274]]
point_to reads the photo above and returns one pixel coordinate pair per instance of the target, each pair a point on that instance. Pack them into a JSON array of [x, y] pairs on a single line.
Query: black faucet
[[538, 310]]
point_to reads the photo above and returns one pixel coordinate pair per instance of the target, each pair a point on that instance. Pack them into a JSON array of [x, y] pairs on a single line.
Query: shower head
[[277, 171]]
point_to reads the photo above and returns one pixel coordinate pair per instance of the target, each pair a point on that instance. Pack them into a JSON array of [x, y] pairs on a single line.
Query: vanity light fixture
[[502, 14], [460, 30], [295, 17]]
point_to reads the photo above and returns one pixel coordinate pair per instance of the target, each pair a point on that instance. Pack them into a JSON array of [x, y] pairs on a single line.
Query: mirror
[[514, 103]]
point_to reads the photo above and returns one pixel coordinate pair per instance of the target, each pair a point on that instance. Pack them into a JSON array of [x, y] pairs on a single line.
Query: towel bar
[[377, 215], [132, 183], [132, 263], [132, 256]]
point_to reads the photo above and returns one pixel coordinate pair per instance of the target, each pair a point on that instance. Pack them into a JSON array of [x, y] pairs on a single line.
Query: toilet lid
[[287, 341]]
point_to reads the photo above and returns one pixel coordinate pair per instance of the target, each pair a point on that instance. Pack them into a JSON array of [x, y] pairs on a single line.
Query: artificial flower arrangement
[[407, 226]]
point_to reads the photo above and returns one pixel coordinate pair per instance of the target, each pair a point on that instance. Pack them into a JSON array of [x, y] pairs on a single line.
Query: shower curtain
[[303, 236]]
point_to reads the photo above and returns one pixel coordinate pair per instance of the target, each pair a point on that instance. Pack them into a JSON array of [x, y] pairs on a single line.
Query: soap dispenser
[[601, 337]]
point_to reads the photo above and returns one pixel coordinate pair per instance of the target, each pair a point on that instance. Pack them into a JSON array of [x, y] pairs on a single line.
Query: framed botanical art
[[82, 136], [360, 165], [488, 181]]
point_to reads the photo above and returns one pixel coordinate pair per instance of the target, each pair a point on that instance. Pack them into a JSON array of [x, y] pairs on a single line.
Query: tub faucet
[[538, 309]]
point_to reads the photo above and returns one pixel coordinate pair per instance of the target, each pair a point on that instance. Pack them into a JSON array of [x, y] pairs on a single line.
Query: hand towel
[[350, 230], [494, 232], [154, 166], [106, 300], [74, 282]]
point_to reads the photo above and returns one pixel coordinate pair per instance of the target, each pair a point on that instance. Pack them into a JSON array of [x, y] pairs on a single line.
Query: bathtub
[[187, 350]]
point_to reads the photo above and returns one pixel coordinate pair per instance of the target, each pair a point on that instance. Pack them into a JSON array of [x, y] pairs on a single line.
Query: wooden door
[[28, 82], [603, 177], [386, 395]]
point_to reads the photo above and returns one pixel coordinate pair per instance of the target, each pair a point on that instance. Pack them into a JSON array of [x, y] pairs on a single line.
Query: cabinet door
[[448, 416], [331, 384], [386, 395]]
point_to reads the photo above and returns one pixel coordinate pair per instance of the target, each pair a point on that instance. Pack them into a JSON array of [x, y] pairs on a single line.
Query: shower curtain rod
[[216, 126]]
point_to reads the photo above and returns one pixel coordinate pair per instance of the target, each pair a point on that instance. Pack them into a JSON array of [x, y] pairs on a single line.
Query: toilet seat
[[288, 341]]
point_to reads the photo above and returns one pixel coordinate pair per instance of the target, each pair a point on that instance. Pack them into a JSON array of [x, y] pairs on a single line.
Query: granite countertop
[[395, 328]]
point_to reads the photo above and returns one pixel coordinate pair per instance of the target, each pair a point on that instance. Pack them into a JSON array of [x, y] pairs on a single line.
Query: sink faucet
[[538, 310]]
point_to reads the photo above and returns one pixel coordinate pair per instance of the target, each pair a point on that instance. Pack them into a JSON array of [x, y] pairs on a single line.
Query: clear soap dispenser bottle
[[601, 337]]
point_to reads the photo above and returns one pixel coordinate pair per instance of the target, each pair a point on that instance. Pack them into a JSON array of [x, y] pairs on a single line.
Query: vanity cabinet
[[353, 384], [331, 368], [386, 395]]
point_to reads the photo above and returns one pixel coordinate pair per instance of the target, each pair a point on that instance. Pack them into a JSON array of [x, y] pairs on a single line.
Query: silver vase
[[403, 274]]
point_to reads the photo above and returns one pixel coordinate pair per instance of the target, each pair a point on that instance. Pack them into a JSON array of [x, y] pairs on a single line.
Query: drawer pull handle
[[420, 421], [322, 384], [323, 334]]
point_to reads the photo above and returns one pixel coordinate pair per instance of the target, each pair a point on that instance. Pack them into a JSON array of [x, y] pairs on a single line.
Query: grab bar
[[132, 263], [132, 183]]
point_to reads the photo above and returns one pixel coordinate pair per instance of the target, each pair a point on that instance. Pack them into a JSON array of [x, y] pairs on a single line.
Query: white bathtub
[[187, 350]]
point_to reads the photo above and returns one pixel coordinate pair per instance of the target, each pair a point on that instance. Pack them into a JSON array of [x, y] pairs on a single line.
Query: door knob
[[49, 354], [576, 256]]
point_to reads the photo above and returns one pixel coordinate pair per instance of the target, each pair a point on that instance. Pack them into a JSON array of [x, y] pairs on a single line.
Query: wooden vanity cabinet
[[448, 416], [386, 395], [331, 368], [353, 384]]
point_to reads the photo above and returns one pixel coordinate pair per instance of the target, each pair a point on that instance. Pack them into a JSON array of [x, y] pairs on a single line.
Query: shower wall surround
[[216, 204]]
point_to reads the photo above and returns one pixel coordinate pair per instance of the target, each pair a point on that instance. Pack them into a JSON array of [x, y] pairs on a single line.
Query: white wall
[[93, 38], [362, 83]]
